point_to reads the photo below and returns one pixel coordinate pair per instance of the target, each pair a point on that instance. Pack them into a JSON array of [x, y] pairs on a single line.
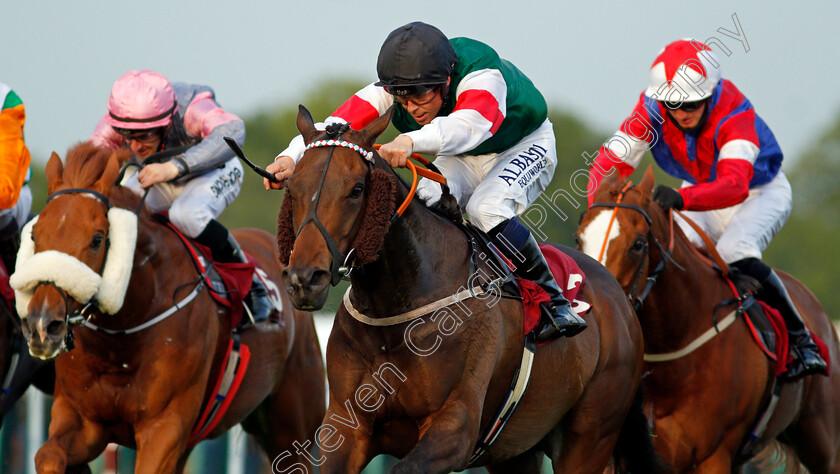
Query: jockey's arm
[[206, 119], [624, 150], [14, 156]]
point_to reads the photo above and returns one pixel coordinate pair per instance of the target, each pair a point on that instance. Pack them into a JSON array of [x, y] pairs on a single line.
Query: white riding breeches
[[496, 187], [744, 230], [193, 203]]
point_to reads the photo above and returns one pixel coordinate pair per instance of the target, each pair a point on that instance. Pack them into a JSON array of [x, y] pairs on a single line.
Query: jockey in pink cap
[[152, 116], [700, 128]]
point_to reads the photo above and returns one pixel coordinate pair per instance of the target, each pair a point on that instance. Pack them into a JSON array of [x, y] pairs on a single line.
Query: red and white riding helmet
[[684, 71], [141, 100]]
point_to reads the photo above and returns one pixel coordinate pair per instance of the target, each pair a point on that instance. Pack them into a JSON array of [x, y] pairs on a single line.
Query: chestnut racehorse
[[704, 404], [425, 391], [146, 389]]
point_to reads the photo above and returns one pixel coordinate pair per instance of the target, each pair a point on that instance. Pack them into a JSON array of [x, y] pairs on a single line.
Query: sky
[[589, 58]]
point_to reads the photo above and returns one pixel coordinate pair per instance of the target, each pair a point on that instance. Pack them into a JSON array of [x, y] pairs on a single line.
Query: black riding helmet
[[413, 58]]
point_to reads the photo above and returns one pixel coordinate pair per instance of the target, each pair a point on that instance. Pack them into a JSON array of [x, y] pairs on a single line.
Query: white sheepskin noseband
[[73, 276]]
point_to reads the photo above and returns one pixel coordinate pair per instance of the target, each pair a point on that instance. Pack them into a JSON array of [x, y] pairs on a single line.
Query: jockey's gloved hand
[[668, 197]]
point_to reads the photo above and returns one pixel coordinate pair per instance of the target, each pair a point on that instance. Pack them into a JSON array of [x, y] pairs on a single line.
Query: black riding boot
[[226, 250], [773, 291], [559, 319]]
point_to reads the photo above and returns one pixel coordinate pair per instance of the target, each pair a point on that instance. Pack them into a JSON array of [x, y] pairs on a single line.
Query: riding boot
[[773, 291], [226, 249], [516, 242], [9, 245]]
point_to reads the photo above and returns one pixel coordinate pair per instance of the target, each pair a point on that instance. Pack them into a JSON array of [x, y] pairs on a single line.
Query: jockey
[[486, 123], [15, 195], [149, 115], [700, 128]]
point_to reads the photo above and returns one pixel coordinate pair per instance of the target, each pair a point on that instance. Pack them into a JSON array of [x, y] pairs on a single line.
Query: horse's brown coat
[[146, 390], [704, 405]]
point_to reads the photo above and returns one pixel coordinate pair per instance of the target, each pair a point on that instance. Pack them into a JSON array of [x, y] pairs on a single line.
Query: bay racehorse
[[705, 403], [425, 389], [141, 379]]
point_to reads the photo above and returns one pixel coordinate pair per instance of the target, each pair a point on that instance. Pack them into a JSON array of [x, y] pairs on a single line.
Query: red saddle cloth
[[569, 277], [779, 349]]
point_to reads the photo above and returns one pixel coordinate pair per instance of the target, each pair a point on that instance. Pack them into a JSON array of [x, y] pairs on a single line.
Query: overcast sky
[[591, 58]]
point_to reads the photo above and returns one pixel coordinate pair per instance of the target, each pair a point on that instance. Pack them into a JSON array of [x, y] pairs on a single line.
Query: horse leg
[[294, 400], [720, 461], [816, 449], [529, 462], [343, 440], [161, 443], [444, 444], [72, 441]]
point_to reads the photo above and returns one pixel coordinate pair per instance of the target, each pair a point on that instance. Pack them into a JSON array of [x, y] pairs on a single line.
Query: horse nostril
[[319, 278], [55, 328]]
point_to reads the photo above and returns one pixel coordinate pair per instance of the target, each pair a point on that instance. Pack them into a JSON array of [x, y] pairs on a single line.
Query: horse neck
[[424, 258], [681, 304]]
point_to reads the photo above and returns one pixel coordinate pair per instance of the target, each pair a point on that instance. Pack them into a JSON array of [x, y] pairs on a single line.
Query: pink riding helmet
[[141, 100]]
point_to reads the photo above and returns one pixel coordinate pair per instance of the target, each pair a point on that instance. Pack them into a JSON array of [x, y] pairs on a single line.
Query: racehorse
[[138, 379], [426, 391], [706, 402]]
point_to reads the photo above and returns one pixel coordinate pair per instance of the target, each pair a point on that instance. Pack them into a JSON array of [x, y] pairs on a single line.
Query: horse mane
[[85, 163]]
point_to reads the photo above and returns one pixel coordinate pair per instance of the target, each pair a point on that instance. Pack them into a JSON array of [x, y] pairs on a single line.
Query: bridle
[[635, 296], [71, 318], [339, 271]]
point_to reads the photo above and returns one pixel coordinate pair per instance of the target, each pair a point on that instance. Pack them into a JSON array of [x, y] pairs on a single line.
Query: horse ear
[[646, 186], [306, 125], [369, 134], [54, 171], [109, 176]]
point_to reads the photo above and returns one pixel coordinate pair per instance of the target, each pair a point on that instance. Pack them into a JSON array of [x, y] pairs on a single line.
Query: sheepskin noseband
[[74, 277], [379, 206]]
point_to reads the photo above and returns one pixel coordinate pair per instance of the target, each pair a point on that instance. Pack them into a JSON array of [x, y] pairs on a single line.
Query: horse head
[[63, 255], [620, 229], [336, 210]]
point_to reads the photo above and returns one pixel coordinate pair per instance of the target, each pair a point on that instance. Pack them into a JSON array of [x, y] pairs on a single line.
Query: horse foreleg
[[72, 441], [445, 440], [161, 443], [343, 439]]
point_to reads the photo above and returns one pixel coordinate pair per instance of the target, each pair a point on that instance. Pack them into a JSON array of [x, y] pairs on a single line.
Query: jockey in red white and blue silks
[[700, 128], [729, 163]]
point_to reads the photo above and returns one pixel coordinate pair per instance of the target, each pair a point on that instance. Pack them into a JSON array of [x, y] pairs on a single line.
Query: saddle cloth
[[769, 331], [569, 277]]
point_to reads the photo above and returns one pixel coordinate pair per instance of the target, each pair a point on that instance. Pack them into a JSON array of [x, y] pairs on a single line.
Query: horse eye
[[356, 192], [96, 241], [638, 245]]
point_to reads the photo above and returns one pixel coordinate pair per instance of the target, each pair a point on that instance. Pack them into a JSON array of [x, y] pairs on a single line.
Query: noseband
[[635, 296]]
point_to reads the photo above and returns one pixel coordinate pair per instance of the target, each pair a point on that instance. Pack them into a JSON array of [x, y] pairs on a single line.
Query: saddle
[[228, 283], [7, 294], [566, 271], [767, 325]]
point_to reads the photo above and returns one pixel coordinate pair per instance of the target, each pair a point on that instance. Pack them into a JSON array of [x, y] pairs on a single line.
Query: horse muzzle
[[307, 287], [44, 335]]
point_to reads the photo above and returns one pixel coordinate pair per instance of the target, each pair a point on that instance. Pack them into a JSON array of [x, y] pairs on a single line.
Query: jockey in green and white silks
[[486, 123]]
